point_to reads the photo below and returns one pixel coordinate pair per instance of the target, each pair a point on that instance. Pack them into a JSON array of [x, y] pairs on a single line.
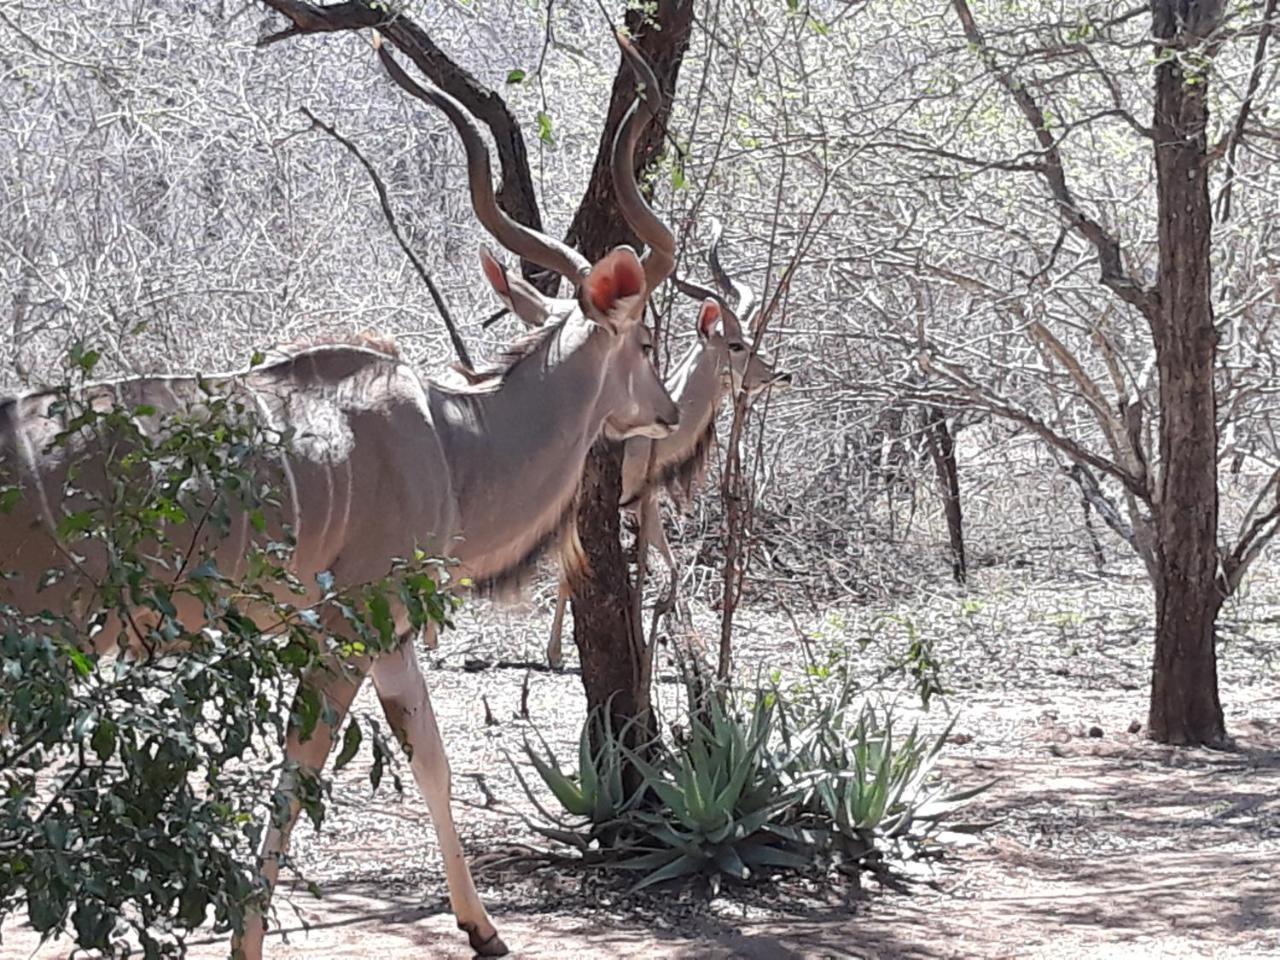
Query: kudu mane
[[681, 476], [510, 356]]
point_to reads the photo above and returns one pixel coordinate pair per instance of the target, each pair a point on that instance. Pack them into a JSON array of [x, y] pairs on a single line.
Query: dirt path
[[1106, 846]]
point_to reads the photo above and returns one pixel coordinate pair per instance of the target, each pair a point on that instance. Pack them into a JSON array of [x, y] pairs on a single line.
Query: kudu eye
[[737, 347]]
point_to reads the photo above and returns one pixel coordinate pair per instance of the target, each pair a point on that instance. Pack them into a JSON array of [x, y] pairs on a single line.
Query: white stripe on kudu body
[[482, 472]]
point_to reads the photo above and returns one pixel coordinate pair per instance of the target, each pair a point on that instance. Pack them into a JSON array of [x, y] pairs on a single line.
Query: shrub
[[134, 790]]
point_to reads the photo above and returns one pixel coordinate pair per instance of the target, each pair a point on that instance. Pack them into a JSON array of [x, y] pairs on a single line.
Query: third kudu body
[[384, 462]]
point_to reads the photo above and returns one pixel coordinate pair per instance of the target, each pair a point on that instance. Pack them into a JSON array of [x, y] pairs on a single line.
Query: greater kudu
[[385, 462], [718, 364]]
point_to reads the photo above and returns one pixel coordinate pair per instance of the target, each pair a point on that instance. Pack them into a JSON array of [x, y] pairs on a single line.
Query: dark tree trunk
[[1185, 708], [609, 638], [942, 449]]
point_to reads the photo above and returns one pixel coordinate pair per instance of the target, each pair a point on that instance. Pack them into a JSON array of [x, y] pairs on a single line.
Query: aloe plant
[[783, 781], [724, 806], [595, 795], [864, 786]]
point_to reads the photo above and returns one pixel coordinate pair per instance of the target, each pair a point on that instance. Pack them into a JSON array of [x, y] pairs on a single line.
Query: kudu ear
[[518, 295], [613, 288], [496, 274], [732, 328], [708, 317]]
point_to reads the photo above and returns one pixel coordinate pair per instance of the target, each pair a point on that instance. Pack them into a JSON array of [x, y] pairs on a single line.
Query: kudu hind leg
[[407, 704], [555, 650], [337, 686]]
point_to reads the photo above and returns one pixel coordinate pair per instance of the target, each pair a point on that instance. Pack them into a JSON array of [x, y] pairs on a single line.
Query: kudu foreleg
[[407, 705], [655, 535], [337, 685]]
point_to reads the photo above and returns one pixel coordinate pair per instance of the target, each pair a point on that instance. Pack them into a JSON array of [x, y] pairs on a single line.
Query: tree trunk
[[942, 449], [1185, 708], [610, 639]]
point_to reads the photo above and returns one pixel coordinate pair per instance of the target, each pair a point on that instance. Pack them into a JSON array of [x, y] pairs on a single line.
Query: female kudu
[[718, 364]]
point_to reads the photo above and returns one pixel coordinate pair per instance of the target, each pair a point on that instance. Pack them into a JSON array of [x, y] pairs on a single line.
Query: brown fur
[[509, 583], [519, 349]]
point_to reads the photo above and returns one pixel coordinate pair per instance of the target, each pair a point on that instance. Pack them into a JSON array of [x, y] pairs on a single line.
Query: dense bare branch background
[[162, 193]]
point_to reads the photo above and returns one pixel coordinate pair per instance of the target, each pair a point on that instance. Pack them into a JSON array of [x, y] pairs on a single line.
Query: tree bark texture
[[1185, 708], [610, 640]]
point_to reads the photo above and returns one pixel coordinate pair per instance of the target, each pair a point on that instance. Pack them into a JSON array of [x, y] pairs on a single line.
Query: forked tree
[[1170, 484], [608, 634], [381, 464]]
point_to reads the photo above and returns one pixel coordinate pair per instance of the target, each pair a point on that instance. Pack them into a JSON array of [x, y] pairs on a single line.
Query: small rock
[[1135, 726], [1095, 732], [960, 739]]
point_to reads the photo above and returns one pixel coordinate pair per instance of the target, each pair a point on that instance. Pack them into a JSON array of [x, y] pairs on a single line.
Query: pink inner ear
[[495, 273], [616, 276], [708, 317]]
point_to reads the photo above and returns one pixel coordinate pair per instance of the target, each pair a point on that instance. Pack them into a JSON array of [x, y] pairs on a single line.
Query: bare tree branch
[[459, 347], [1110, 259], [1246, 107], [516, 195], [1092, 491]]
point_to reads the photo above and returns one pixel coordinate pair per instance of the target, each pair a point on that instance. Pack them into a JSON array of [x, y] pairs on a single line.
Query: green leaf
[[9, 497], [350, 744], [567, 793], [74, 523], [516, 76], [544, 127], [682, 866], [83, 665], [104, 739]]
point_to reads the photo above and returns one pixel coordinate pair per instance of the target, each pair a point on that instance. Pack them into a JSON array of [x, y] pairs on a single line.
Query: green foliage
[[723, 803], [597, 796], [776, 781], [543, 120], [134, 788]]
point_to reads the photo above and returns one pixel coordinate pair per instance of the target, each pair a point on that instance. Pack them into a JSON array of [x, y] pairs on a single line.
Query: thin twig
[[459, 347]]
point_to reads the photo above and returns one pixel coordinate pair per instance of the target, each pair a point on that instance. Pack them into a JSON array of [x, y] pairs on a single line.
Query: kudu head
[[720, 328], [611, 294]]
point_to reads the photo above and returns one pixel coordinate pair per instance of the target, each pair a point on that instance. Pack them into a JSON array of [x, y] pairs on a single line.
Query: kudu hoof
[[490, 946]]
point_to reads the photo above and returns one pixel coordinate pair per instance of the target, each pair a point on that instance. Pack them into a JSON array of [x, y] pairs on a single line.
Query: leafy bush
[[134, 789], [769, 780]]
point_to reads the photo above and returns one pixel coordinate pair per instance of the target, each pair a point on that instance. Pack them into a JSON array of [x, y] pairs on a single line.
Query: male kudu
[[384, 462]]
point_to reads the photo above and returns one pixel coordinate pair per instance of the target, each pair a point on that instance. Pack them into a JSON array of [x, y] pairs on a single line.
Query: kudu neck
[[516, 451], [697, 386]]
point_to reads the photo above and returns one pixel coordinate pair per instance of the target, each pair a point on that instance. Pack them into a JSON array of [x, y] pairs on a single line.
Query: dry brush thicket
[[163, 194]]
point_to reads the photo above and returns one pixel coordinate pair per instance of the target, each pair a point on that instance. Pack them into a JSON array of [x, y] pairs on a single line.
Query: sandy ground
[[1105, 846]]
